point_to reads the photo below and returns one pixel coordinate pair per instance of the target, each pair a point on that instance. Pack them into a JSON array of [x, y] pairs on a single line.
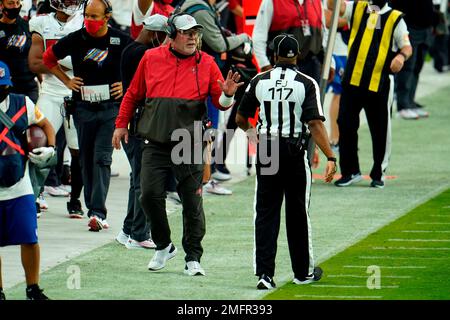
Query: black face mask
[[11, 13], [379, 3], [4, 92]]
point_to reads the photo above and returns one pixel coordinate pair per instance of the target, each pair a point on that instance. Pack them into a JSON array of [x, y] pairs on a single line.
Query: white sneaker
[[122, 237], [214, 188], [161, 257], [56, 191], [96, 224], [193, 268], [146, 244], [42, 203], [221, 176], [408, 114], [421, 113]]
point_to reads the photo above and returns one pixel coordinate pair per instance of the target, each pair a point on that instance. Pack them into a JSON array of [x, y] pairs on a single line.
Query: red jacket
[[175, 90]]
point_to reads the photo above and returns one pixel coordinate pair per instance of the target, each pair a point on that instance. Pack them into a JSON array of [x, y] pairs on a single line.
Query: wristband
[[332, 159], [404, 55]]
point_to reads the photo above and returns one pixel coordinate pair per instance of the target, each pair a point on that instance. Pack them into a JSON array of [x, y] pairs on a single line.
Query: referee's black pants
[[377, 107], [293, 181], [156, 166]]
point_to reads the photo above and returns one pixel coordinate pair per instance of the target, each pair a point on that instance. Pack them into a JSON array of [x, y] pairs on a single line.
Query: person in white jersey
[[46, 30]]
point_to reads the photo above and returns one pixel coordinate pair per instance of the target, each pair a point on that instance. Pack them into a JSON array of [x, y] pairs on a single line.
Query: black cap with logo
[[285, 45]]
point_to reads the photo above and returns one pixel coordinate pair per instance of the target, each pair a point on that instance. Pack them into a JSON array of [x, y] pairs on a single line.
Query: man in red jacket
[[175, 80]]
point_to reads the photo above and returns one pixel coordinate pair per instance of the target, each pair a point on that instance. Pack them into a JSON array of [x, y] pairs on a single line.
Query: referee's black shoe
[[33, 292], [348, 180], [377, 184], [265, 283], [316, 276]]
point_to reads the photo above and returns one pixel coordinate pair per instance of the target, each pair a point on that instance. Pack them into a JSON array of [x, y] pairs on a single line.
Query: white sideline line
[[336, 297], [407, 248], [348, 286], [438, 223], [446, 207], [392, 217], [420, 240], [426, 231], [358, 276], [390, 267], [401, 258], [440, 215]]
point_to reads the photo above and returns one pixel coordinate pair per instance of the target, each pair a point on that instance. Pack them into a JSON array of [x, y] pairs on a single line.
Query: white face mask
[[70, 10]]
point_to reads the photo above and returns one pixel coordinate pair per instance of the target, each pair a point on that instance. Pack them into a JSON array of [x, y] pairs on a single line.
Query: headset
[[171, 28], [172, 33], [107, 3]]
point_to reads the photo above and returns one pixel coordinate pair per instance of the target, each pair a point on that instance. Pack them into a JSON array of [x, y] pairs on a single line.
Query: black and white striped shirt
[[288, 99]]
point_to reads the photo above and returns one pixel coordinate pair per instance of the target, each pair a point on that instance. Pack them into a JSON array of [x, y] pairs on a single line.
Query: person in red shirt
[[143, 9], [235, 7], [175, 80]]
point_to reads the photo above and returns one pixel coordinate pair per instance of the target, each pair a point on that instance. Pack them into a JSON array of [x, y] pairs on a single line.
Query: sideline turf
[[412, 255]]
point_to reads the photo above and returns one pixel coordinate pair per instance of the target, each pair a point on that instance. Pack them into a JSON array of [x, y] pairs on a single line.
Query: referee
[[290, 102], [378, 47]]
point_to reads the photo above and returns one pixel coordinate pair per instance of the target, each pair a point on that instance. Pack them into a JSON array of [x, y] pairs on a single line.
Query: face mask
[[70, 11], [93, 26], [379, 3], [4, 92], [12, 13]]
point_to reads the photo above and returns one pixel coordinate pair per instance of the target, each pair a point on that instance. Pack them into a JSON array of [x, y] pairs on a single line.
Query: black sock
[[32, 287], [76, 180]]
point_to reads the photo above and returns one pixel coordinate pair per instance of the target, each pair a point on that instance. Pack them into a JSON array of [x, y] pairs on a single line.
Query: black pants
[[156, 166], [378, 112], [439, 51], [408, 77], [55, 174], [293, 181], [95, 127], [135, 223]]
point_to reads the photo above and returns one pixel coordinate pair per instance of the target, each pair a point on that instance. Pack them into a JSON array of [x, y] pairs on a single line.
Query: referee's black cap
[[285, 45]]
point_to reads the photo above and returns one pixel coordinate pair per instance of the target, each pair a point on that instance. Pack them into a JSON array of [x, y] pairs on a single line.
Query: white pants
[[53, 109]]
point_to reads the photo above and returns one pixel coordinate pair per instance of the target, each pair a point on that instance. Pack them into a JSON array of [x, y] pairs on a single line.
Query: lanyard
[[304, 7]]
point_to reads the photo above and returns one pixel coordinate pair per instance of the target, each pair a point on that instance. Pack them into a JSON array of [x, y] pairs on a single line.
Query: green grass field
[[408, 259], [341, 218]]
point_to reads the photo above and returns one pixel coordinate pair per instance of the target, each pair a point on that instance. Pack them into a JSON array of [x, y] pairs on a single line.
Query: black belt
[[97, 106]]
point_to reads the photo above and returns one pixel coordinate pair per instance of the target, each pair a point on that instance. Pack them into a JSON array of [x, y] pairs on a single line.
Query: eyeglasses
[[190, 33]]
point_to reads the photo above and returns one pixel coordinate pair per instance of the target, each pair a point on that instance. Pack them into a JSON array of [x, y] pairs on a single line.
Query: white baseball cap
[[155, 22], [186, 22]]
